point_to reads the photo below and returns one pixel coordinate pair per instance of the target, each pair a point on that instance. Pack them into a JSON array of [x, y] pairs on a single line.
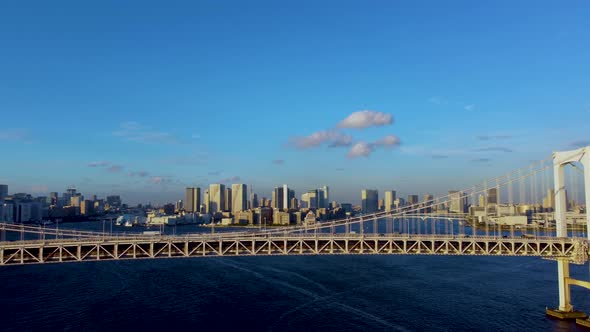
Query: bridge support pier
[[560, 159]]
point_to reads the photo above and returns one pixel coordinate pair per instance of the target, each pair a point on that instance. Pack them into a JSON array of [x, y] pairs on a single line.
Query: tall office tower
[[427, 203], [413, 199], [179, 205], [324, 197], [216, 197], [313, 199], [3, 192], [114, 201], [481, 201], [76, 200], [287, 195], [293, 203], [389, 199], [239, 193], [253, 201], [381, 204], [290, 197], [53, 198], [192, 202], [457, 203], [206, 200], [369, 198], [549, 201], [493, 196], [227, 200], [278, 198]]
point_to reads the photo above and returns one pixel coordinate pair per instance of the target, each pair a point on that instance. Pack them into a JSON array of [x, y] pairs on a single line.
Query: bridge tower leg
[[560, 159]]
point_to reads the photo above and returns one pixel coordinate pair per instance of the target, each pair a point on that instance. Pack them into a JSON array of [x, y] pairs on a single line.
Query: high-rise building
[[493, 196], [389, 199], [227, 200], [192, 202], [53, 198], [216, 197], [206, 200], [369, 199], [549, 200], [413, 199], [311, 199], [324, 197], [279, 197], [239, 197], [3, 192], [457, 203], [114, 201], [254, 201]]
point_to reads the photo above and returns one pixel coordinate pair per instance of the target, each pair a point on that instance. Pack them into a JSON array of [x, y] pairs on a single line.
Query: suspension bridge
[[440, 226]]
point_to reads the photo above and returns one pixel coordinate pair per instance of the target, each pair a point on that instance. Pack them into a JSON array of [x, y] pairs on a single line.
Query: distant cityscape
[[233, 205]]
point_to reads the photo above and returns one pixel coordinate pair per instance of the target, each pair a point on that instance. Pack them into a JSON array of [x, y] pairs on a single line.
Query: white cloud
[[388, 141], [365, 119], [469, 107], [318, 138], [135, 132], [98, 164], [360, 149]]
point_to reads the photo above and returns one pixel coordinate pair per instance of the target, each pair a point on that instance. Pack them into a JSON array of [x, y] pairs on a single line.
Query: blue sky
[[144, 98]]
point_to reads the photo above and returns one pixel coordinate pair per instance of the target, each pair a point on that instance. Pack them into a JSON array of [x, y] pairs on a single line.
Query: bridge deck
[[107, 248]]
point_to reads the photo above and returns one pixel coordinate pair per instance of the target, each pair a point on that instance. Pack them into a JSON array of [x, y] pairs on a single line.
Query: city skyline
[[348, 97]]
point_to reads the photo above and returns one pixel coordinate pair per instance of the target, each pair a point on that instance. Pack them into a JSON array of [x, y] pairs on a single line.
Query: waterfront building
[[323, 197], [389, 200], [413, 199], [192, 202], [216, 198], [369, 199], [239, 198], [86, 207], [253, 201], [227, 203], [3, 192], [457, 203]]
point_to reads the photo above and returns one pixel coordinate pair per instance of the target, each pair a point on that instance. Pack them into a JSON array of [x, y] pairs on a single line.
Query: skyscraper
[[324, 197], [493, 196], [227, 199], [279, 197], [3, 192], [192, 202], [413, 199], [457, 203], [216, 197], [369, 198], [389, 199], [254, 201], [239, 197]]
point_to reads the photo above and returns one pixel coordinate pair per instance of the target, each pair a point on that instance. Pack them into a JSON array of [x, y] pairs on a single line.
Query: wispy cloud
[[234, 178], [495, 149], [98, 164], [481, 160], [15, 135], [135, 132], [115, 169], [439, 156], [388, 141], [469, 107], [214, 173], [364, 149], [437, 101], [492, 137], [580, 143], [141, 174], [159, 180], [360, 149], [332, 137], [278, 161], [365, 119]]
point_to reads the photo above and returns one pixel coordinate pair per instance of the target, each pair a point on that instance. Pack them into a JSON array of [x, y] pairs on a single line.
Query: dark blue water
[[312, 293]]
